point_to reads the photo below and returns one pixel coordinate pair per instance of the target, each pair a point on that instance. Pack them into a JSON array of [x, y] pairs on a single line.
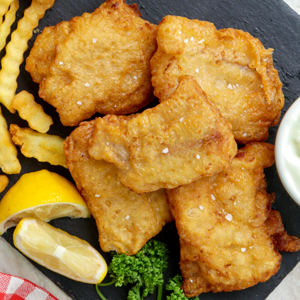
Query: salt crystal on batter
[[181, 120], [197, 70], [198, 156], [94, 41], [186, 41], [229, 86], [127, 217], [243, 249], [192, 38], [86, 84], [79, 102], [200, 42], [213, 197], [228, 217], [135, 77], [201, 207], [61, 63], [97, 196], [166, 150]]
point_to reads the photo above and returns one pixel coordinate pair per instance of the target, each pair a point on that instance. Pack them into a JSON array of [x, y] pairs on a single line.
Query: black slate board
[[277, 26]]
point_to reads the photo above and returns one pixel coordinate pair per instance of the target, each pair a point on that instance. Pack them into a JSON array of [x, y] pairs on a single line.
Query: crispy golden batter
[[174, 143], [231, 66], [125, 220], [42, 54], [226, 242], [101, 63]]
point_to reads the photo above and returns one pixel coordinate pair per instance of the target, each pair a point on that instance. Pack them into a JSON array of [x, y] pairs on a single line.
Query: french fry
[[3, 182], [4, 5], [10, 17], [16, 47], [32, 112], [9, 162], [42, 146]]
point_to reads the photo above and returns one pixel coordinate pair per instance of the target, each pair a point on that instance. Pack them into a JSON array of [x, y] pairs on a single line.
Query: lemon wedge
[[44, 195], [59, 251]]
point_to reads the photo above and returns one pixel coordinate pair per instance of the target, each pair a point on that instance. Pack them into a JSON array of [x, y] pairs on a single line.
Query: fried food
[[229, 236], [3, 183], [99, 62], [44, 147], [4, 5], [16, 47], [125, 220], [232, 67], [42, 54], [9, 18], [174, 143], [9, 162], [32, 112]]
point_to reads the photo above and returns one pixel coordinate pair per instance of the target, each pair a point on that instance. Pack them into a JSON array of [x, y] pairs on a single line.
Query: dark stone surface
[[277, 26]]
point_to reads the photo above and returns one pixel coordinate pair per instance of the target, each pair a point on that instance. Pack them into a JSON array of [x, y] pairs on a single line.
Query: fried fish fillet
[[229, 236], [232, 67], [125, 220], [99, 62], [42, 54], [174, 143]]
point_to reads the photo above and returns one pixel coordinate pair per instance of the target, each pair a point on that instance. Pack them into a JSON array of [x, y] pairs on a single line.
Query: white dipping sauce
[[287, 151]]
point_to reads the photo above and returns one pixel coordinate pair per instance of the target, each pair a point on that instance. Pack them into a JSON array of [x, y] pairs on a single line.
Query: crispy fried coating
[[125, 220], [228, 233], [232, 67], [101, 63], [174, 143], [42, 54]]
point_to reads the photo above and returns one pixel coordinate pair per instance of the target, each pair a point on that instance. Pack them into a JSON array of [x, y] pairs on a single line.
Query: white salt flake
[[79, 102], [229, 86], [127, 217], [186, 41], [94, 41], [166, 150], [87, 84], [180, 32], [234, 203], [198, 156], [97, 196], [250, 247], [201, 207], [245, 134], [135, 77], [200, 42], [197, 70], [228, 217], [243, 249], [181, 119], [213, 197], [107, 143], [61, 63], [191, 280], [192, 38]]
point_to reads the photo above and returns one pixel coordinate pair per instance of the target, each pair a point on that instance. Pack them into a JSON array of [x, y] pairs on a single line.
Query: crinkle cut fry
[[4, 4], [9, 162], [10, 17], [16, 48]]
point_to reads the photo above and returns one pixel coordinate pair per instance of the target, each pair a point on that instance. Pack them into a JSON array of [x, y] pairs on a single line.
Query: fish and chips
[[125, 220], [229, 236], [178, 159], [232, 67]]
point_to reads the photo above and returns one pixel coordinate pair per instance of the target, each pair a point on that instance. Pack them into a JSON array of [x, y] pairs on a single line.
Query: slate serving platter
[[276, 25]]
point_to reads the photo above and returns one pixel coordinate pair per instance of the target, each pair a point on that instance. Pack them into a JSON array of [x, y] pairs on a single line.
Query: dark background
[[276, 25]]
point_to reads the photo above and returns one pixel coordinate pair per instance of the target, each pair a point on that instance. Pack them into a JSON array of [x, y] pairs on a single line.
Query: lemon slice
[[44, 195], [59, 251]]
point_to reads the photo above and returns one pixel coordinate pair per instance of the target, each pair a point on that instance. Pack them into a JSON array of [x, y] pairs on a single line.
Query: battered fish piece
[[101, 63], [125, 220], [42, 54], [229, 237], [174, 143], [232, 67]]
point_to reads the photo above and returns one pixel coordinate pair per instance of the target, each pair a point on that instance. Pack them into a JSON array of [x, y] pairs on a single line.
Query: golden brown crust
[[125, 220], [99, 62], [174, 143], [228, 233], [231, 66]]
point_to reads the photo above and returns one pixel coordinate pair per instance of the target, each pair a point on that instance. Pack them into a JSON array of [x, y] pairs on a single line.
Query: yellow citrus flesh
[[59, 251], [44, 195]]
